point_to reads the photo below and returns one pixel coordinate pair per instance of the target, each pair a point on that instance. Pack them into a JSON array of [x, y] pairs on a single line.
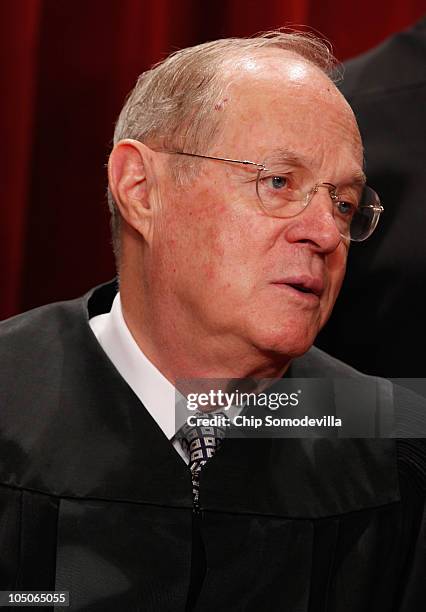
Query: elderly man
[[236, 186]]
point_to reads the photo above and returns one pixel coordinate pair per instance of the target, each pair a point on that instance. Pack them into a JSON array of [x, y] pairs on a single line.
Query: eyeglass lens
[[356, 216]]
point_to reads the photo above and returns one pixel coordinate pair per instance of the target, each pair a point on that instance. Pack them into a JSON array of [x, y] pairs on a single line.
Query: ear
[[127, 173]]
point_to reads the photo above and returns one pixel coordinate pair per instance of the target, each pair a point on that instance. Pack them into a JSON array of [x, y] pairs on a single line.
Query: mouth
[[303, 285], [299, 288]]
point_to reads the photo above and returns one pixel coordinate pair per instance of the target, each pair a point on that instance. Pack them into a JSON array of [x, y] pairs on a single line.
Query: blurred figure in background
[[378, 322]]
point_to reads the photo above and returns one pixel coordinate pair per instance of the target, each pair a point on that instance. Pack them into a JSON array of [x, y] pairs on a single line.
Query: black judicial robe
[[95, 500]]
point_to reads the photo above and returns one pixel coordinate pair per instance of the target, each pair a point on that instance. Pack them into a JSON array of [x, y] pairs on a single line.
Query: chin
[[286, 342]]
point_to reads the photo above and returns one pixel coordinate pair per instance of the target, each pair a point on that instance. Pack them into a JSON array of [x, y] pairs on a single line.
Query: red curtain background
[[65, 68]]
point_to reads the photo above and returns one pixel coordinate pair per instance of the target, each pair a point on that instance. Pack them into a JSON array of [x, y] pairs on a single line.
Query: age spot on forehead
[[219, 106]]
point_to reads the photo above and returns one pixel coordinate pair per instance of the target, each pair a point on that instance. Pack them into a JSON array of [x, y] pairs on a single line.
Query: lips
[[303, 284]]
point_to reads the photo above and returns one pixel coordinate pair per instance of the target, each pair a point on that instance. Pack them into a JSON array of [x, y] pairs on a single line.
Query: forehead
[[281, 102]]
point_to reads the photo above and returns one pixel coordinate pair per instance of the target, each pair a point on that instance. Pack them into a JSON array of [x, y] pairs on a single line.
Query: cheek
[[235, 250], [189, 242], [209, 235], [217, 256]]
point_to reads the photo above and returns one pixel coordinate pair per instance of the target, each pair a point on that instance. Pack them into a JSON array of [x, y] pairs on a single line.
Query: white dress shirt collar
[[152, 388]]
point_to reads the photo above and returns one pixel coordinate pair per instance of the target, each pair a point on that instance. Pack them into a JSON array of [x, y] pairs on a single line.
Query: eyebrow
[[287, 155], [296, 159], [358, 179]]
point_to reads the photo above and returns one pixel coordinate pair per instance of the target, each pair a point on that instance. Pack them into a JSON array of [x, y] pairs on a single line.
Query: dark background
[[65, 68]]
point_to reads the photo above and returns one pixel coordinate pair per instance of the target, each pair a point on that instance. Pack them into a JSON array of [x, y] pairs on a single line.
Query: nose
[[315, 225]]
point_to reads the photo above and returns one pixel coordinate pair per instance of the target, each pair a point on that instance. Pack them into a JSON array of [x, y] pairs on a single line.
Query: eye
[[277, 182], [346, 209]]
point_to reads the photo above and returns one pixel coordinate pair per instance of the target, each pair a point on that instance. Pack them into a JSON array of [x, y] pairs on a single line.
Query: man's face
[[220, 267]]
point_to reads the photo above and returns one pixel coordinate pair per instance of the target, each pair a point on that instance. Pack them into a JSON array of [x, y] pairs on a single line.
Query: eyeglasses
[[356, 210]]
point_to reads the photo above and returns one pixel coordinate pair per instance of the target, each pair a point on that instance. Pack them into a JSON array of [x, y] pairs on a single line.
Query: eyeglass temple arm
[[246, 162]]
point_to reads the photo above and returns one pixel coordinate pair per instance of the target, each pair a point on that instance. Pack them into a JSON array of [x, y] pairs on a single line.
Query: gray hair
[[171, 104]]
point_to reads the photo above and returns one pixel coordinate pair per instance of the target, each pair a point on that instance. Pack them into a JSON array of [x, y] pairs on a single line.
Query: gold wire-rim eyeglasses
[[374, 209]]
